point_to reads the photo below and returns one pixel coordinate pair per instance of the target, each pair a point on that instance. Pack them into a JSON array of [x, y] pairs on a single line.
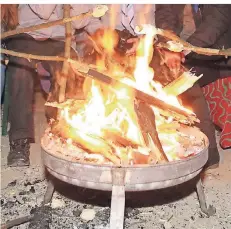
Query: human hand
[[172, 59], [135, 42]]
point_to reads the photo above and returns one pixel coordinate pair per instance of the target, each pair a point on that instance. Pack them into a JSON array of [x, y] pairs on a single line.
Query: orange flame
[[113, 107]]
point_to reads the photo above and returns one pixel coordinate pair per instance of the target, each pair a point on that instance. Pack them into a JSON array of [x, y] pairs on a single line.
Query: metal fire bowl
[[134, 178]]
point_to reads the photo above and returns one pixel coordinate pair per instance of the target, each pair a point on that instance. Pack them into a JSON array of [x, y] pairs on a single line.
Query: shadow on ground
[[133, 199]]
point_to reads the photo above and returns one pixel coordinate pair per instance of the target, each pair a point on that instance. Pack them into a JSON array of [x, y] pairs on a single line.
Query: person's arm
[[165, 17], [217, 20], [90, 24], [43, 11], [93, 25]]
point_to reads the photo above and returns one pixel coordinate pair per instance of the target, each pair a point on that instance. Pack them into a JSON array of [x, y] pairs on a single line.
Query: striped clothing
[[127, 17]]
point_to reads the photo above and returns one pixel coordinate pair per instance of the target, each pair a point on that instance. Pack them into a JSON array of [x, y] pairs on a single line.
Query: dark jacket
[[213, 30]]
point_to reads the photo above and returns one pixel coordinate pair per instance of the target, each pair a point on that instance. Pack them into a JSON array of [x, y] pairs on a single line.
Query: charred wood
[[147, 125]]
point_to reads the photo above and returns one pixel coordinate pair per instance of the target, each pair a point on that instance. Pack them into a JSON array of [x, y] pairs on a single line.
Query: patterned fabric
[[218, 96], [127, 19]]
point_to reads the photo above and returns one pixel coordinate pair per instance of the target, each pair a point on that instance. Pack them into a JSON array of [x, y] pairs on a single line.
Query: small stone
[[32, 190], [9, 204], [76, 212], [12, 184], [167, 225], [27, 183], [88, 214], [22, 193], [128, 212], [57, 203]]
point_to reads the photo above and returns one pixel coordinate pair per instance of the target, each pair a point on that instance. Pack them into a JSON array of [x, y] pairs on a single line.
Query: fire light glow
[[113, 108]]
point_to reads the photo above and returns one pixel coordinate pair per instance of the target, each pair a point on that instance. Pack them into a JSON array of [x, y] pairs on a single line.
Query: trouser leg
[[20, 73]]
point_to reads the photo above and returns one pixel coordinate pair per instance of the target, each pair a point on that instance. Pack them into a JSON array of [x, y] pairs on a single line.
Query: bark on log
[[147, 125]]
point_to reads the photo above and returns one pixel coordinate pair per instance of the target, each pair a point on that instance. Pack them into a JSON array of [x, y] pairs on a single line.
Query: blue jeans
[[3, 75]]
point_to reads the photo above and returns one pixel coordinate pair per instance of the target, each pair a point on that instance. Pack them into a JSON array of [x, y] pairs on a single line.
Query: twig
[[95, 46], [30, 56], [16, 222], [76, 63], [63, 80]]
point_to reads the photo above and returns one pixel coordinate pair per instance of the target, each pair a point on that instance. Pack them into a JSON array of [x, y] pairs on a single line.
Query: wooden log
[[87, 142], [168, 109], [116, 137], [147, 125]]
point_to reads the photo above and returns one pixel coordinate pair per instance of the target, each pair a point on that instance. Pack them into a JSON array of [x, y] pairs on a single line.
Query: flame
[[112, 108]]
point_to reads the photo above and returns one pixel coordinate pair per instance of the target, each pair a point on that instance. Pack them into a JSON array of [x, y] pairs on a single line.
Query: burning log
[[87, 142], [181, 84], [116, 137], [147, 125], [168, 110]]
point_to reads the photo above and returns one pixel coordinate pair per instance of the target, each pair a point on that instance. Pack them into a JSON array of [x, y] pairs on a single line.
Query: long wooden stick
[[63, 80], [30, 56], [46, 25], [76, 63], [184, 45], [187, 46]]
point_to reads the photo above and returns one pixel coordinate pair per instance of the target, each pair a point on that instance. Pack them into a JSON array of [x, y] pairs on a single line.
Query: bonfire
[[112, 126]]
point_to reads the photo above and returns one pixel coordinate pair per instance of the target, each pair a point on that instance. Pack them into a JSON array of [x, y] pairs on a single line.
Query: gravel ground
[[23, 189]]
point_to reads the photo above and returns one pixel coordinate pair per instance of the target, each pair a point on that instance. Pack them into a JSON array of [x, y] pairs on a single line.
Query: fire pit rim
[[136, 166]]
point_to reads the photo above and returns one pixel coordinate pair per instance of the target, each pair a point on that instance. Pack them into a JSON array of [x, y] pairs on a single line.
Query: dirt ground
[[23, 189]]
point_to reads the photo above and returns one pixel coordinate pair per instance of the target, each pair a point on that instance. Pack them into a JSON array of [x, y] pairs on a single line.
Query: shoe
[[19, 153]]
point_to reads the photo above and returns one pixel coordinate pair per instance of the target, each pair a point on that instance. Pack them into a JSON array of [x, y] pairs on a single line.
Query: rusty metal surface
[[136, 178]]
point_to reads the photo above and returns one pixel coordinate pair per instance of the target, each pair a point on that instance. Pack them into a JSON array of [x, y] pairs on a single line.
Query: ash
[[23, 189]]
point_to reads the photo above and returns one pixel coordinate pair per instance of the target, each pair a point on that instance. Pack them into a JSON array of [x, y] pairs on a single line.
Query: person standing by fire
[[205, 26], [21, 72]]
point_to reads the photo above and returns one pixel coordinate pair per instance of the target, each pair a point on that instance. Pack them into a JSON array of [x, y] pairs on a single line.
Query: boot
[[19, 153]]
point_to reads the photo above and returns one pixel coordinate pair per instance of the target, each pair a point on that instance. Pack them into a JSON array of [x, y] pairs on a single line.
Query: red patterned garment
[[218, 96]]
